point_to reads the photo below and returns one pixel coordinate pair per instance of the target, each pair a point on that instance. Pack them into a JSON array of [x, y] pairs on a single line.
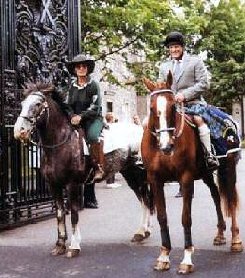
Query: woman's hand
[[76, 119]]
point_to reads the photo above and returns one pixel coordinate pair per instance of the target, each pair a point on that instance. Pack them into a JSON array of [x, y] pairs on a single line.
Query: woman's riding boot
[[211, 161], [97, 156]]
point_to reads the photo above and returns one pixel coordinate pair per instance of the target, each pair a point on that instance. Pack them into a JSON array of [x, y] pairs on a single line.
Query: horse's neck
[[56, 126]]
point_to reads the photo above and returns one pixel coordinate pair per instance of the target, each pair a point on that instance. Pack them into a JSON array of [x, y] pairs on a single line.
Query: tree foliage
[[224, 41], [139, 27]]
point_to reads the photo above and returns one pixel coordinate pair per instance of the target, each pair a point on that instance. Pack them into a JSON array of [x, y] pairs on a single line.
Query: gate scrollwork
[[41, 39]]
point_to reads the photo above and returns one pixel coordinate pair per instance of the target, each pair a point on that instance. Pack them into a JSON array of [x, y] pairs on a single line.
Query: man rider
[[190, 82]]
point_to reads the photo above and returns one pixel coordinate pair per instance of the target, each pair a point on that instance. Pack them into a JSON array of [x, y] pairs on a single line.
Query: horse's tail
[[227, 183], [136, 178]]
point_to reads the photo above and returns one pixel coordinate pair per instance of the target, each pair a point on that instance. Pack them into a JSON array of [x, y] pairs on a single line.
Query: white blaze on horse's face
[[162, 114], [27, 117]]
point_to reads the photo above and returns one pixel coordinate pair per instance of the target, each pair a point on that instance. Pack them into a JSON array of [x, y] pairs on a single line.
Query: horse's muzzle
[[168, 149], [22, 135]]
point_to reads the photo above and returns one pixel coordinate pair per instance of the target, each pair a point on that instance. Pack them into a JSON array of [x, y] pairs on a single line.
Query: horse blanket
[[223, 129]]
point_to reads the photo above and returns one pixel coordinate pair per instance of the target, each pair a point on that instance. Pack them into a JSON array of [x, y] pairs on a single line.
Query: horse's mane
[[48, 89]]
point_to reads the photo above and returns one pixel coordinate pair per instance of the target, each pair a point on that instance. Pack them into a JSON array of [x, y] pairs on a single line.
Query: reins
[[52, 146], [182, 121]]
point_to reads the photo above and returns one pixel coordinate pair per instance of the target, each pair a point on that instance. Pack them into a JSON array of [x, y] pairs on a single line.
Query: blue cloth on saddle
[[223, 130]]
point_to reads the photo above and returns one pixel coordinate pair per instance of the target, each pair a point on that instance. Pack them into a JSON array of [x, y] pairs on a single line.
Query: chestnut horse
[[172, 151], [64, 164]]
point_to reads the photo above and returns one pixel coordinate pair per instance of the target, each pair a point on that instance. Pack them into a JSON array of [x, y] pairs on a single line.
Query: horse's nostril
[[168, 149]]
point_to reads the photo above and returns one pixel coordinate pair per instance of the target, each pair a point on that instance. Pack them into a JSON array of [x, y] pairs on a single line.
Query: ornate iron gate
[[37, 37]]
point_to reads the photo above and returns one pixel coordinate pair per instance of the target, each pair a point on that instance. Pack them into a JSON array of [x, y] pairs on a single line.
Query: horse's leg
[[74, 248], [226, 175], [219, 238], [236, 242], [136, 179], [186, 266], [145, 225], [163, 262], [60, 247]]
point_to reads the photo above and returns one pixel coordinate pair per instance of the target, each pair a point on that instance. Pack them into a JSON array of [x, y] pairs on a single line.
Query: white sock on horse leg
[[187, 256], [204, 134], [76, 239]]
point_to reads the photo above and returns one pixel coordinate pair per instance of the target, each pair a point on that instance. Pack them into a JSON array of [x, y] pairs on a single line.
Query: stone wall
[[122, 100], [238, 108]]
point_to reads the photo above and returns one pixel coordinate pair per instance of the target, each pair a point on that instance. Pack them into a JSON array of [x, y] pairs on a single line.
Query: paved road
[[106, 232]]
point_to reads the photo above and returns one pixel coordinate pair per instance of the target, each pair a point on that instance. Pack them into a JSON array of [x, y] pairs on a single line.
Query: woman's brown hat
[[81, 59]]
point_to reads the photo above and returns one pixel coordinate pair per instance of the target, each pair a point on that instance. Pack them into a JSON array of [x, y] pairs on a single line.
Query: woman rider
[[85, 108]]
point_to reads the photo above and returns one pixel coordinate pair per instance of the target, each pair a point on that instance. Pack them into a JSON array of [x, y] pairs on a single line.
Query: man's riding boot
[[97, 156], [211, 161]]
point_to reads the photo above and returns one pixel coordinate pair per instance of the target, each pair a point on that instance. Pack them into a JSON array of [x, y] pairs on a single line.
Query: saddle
[[228, 142]]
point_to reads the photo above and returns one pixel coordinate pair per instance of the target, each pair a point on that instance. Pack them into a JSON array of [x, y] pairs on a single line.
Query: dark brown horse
[[64, 164], [171, 151]]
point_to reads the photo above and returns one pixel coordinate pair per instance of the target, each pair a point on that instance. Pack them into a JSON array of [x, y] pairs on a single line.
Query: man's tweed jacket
[[192, 80]]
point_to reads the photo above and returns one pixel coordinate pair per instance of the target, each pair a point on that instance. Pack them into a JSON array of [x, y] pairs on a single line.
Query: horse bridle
[[173, 130], [33, 120]]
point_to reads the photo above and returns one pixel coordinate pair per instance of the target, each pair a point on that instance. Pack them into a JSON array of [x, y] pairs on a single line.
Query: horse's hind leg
[[136, 179], [227, 185], [74, 248], [144, 230], [236, 242], [60, 247], [219, 238]]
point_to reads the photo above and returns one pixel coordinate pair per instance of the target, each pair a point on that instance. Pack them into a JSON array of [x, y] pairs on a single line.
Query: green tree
[[224, 41], [133, 26]]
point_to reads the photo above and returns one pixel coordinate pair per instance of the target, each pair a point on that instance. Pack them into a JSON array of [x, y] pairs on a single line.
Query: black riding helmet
[[174, 38], [81, 59]]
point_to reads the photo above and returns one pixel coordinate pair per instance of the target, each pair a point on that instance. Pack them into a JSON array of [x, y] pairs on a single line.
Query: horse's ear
[[150, 85], [169, 80]]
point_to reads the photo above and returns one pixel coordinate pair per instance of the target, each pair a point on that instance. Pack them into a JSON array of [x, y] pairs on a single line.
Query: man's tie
[[177, 69]]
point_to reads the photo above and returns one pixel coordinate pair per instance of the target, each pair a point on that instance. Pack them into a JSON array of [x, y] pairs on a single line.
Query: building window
[[109, 106]]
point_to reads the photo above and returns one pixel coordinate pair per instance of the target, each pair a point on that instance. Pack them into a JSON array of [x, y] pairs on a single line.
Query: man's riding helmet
[[174, 38], [81, 59]]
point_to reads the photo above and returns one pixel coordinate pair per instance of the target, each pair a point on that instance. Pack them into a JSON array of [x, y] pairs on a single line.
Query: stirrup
[[139, 161], [212, 162]]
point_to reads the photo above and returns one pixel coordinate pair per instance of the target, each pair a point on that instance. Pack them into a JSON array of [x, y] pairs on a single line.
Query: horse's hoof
[[58, 250], [162, 266], [147, 234], [137, 238], [219, 240], [71, 253], [185, 269], [237, 247], [140, 237]]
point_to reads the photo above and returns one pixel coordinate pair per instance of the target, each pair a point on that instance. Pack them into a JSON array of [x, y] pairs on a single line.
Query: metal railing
[[24, 195]]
